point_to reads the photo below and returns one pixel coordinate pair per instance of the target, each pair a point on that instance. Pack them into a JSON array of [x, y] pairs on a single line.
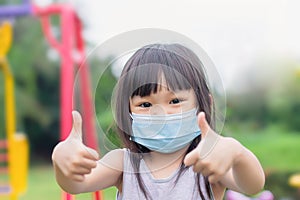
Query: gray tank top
[[160, 189]]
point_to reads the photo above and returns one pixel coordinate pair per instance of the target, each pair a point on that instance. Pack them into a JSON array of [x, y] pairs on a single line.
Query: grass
[[277, 150], [42, 185]]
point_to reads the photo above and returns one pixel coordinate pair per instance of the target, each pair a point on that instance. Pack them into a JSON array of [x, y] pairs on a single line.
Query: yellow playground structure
[[13, 146]]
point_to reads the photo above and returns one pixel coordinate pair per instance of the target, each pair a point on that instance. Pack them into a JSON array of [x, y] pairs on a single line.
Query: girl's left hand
[[215, 155]]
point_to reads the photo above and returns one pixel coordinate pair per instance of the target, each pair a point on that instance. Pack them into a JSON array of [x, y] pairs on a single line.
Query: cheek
[[192, 99], [190, 106], [195, 103]]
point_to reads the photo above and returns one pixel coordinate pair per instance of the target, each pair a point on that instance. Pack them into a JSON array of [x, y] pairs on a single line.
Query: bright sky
[[234, 33]]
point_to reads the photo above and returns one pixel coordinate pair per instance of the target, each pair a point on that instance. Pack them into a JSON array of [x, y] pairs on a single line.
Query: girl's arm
[[225, 161], [246, 174], [77, 167]]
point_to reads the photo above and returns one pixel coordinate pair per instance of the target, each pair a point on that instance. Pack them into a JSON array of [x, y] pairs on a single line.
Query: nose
[[158, 110]]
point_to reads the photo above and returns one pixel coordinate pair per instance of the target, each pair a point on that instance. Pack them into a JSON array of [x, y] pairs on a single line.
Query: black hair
[[141, 76]]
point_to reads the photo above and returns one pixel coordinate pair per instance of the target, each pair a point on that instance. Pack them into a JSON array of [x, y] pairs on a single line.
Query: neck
[[157, 160]]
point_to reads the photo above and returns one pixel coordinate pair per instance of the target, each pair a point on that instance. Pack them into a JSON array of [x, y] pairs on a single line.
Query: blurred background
[[255, 46]]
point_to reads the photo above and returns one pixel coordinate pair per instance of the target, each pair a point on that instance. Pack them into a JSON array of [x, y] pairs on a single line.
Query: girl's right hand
[[71, 157]]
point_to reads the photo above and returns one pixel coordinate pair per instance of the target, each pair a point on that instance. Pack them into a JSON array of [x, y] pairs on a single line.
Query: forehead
[[150, 79], [163, 91]]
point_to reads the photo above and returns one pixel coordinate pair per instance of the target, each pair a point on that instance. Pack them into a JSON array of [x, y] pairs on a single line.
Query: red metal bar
[[67, 71], [3, 144], [49, 10], [3, 170], [71, 38], [67, 64], [3, 157], [47, 32], [86, 96], [67, 74]]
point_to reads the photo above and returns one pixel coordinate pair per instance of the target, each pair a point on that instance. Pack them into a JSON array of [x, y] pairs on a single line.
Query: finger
[[208, 144], [213, 178], [77, 126], [91, 164], [83, 170], [198, 167], [78, 177], [192, 157], [87, 163], [203, 124], [91, 154], [206, 172]]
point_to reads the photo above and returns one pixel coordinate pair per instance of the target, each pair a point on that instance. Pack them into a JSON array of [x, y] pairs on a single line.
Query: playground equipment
[[13, 149], [294, 181], [71, 41]]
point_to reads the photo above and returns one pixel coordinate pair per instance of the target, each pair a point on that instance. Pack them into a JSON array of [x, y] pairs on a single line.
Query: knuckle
[[195, 168], [94, 165], [206, 164], [68, 174], [76, 160], [78, 178], [72, 170], [88, 171], [211, 179], [82, 153]]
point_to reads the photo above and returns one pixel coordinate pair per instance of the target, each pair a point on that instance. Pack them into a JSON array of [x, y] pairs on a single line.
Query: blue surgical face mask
[[165, 133]]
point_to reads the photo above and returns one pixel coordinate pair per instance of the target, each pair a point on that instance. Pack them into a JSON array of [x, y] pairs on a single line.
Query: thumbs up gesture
[[214, 155], [71, 157]]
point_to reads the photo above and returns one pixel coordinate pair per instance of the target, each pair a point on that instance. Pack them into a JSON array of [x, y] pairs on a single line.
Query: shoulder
[[114, 159], [116, 152]]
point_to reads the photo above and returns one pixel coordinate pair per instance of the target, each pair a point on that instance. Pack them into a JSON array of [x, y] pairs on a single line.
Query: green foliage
[[103, 104], [279, 103], [278, 151], [277, 148], [284, 104], [42, 185]]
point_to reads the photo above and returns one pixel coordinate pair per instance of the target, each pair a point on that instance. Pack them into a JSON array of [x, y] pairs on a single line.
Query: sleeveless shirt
[[183, 188]]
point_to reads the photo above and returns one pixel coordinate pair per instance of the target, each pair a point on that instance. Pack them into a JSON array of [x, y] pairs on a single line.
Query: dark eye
[[146, 105], [174, 101]]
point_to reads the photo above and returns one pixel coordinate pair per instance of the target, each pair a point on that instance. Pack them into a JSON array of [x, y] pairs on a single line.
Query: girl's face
[[163, 102]]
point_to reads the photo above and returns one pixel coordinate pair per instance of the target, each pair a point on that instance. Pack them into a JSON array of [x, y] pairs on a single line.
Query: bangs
[[149, 78], [152, 67]]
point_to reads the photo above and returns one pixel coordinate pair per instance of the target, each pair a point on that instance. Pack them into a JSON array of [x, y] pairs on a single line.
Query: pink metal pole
[[67, 74], [67, 71], [86, 98], [67, 64], [71, 37]]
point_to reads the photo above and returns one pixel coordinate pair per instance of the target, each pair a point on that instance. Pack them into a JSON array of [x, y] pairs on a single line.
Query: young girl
[[165, 118]]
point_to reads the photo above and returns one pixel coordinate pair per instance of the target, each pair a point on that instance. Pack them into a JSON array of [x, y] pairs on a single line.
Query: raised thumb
[[203, 124], [77, 126]]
